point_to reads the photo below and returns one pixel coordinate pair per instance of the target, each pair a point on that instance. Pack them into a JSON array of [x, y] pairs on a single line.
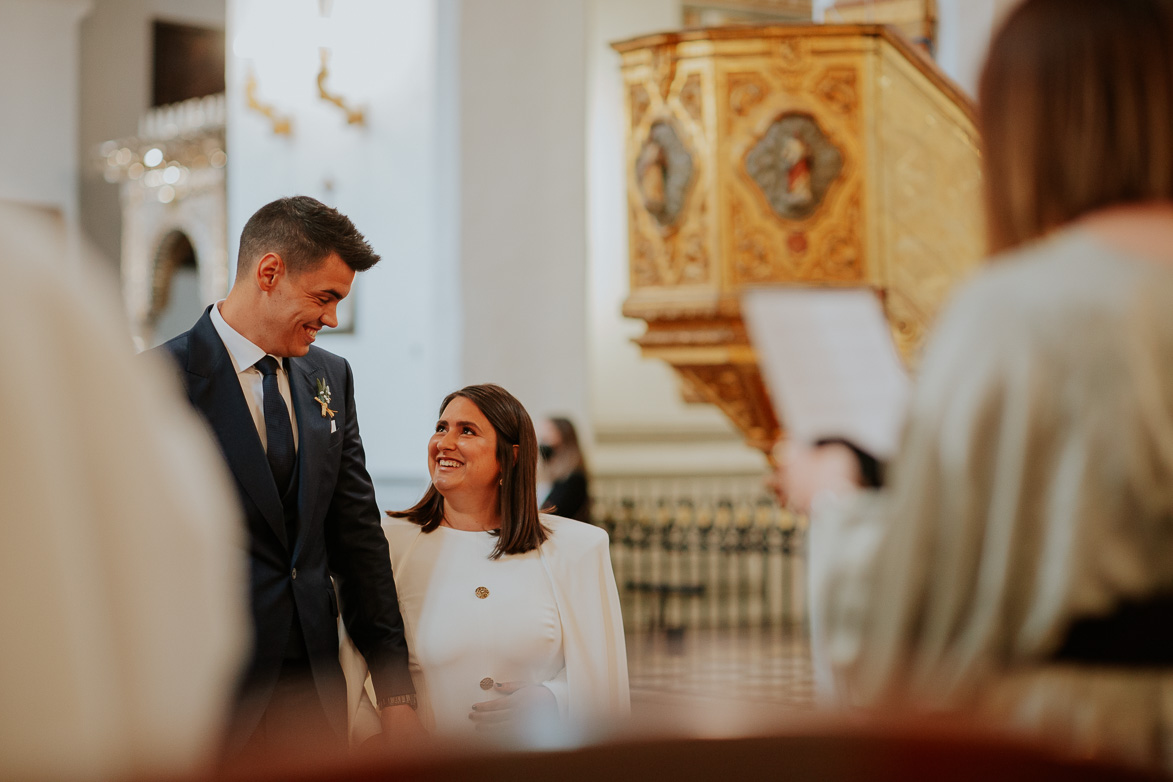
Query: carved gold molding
[[916, 19], [817, 155], [282, 124], [354, 116]]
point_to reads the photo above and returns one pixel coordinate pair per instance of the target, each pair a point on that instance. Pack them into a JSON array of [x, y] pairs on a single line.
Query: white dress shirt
[[245, 355]]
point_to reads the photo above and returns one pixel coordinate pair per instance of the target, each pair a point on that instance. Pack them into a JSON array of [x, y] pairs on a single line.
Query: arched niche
[[153, 238], [174, 215], [175, 299]]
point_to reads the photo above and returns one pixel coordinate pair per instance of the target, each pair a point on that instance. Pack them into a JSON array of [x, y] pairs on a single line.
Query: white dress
[[1034, 487], [549, 616], [474, 622]]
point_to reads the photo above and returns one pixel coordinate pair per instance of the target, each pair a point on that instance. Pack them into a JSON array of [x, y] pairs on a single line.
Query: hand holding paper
[[828, 359]]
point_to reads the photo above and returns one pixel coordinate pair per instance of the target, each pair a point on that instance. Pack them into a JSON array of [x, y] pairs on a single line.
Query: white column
[[523, 201], [39, 42], [964, 30]]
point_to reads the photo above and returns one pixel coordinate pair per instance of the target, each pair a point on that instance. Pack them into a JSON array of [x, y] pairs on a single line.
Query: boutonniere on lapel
[[323, 398]]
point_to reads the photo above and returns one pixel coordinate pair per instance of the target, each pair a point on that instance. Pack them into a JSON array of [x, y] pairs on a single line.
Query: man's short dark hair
[[303, 231]]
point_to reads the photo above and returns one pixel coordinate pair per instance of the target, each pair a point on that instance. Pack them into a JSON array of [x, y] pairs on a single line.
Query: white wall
[[116, 66], [393, 178], [39, 100]]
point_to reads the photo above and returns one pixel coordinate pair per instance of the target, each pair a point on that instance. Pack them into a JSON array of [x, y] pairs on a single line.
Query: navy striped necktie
[[278, 430]]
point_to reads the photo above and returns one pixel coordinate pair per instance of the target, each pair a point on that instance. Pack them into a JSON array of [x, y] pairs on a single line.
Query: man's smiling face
[[302, 303]]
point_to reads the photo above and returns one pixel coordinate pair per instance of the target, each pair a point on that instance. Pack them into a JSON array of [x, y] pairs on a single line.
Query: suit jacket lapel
[[313, 437], [215, 390]]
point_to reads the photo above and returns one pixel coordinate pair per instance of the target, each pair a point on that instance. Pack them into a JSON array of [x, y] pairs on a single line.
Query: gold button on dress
[[482, 592], [487, 683]]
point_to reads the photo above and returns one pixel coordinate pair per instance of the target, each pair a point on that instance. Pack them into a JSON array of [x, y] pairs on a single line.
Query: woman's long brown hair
[[1076, 113], [521, 528]]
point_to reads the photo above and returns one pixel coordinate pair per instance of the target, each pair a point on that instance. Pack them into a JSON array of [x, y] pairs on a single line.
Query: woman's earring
[[500, 481]]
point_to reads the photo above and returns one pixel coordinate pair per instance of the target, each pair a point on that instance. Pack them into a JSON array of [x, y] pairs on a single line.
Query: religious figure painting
[[663, 172], [794, 164]]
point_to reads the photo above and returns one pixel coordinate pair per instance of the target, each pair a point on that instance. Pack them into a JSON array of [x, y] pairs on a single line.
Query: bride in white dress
[[512, 617]]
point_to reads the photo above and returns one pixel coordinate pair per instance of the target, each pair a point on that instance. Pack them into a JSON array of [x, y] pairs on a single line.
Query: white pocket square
[[333, 426]]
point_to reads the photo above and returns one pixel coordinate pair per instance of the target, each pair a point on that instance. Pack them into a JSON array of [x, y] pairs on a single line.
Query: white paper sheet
[[828, 358]]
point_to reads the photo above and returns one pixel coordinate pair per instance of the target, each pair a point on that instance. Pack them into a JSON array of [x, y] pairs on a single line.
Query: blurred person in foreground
[[562, 473], [283, 412], [122, 566], [512, 616], [1018, 565]]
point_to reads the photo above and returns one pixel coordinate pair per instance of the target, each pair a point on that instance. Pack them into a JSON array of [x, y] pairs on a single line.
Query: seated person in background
[[512, 617], [122, 566], [562, 475], [1018, 565]]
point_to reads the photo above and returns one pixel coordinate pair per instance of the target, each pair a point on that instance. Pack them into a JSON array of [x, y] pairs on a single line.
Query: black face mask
[[546, 452]]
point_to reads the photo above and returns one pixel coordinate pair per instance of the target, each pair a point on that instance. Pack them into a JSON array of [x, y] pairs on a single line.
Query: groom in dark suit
[[283, 413]]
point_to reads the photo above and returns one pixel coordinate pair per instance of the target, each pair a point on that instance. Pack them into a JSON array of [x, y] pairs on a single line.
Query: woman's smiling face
[[462, 454]]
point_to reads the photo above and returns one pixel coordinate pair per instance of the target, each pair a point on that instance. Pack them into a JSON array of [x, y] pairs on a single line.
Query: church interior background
[[483, 148]]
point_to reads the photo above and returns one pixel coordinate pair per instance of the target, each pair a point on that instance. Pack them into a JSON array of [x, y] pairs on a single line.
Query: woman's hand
[[803, 471], [522, 701]]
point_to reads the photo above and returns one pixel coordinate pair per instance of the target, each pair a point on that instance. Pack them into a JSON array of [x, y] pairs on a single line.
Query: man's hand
[[522, 701], [401, 726]]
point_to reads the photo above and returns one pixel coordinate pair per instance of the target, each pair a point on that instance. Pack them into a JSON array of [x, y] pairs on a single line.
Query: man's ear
[[269, 271]]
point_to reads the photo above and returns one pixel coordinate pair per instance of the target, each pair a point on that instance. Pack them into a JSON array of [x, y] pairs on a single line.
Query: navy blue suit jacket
[[338, 527]]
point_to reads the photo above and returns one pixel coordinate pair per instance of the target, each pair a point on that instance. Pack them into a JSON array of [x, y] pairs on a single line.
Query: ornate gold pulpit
[[821, 155]]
